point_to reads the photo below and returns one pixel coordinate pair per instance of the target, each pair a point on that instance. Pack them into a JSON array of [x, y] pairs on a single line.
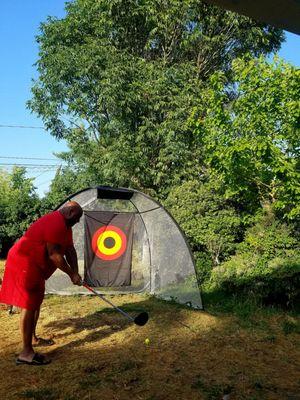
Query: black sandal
[[38, 359]]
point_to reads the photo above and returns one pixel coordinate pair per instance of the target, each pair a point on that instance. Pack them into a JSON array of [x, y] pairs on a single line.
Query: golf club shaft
[[107, 301]]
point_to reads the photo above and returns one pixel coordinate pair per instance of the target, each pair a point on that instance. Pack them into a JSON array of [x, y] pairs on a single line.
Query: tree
[[250, 134], [207, 217], [118, 80], [19, 206], [66, 182]]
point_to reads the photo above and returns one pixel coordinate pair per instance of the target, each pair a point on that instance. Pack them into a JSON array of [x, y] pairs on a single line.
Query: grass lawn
[[191, 355]]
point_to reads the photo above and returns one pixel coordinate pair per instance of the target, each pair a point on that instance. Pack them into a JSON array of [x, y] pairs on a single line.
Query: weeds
[[212, 392], [39, 394], [290, 326]]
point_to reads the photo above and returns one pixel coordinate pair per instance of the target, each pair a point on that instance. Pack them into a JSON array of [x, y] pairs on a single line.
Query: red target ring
[[109, 242]]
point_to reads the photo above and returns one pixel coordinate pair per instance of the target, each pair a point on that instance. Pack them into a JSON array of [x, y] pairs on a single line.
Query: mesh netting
[[162, 263]]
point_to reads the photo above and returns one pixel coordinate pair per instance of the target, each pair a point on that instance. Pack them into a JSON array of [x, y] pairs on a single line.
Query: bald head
[[71, 212]]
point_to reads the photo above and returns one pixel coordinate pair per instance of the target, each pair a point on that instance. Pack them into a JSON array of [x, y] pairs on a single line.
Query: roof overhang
[[283, 14]]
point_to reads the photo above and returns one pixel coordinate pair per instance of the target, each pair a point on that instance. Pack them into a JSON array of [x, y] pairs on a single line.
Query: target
[[109, 242]]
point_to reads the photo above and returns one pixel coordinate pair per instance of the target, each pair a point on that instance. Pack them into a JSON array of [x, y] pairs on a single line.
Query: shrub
[[208, 219], [267, 264]]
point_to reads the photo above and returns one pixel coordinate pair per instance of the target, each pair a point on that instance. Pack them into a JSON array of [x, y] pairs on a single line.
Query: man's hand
[[56, 257], [76, 278]]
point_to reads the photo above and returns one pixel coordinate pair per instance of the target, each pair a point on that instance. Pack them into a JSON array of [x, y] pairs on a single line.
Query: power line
[[32, 158], [44, 183], [30, 165], [42, 173], [22, 127]]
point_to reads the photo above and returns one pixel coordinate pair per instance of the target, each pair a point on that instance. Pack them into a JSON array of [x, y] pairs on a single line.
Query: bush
[[19, 207], [208, 219], [203, 266], [277, 283], [267, 264]]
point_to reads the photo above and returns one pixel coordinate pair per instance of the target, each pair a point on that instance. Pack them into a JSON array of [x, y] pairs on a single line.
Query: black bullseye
[[109, 242]]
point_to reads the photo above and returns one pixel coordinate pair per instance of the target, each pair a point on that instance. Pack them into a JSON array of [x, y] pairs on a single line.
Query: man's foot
[[42, 342], [38, 359]]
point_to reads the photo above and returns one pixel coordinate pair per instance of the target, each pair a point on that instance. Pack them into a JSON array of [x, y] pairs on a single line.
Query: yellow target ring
[[109, 242], [109, 235]]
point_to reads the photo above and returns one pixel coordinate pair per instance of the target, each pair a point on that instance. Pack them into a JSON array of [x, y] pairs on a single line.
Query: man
[[45, 246]]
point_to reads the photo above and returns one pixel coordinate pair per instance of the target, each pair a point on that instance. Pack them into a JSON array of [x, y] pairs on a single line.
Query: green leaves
[[19, 206], [118, 80], [266, 263], [207, 217], [251, 132]]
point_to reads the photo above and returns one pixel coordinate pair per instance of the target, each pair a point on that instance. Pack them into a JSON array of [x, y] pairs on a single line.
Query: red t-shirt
[[28, 266], [51, 228]]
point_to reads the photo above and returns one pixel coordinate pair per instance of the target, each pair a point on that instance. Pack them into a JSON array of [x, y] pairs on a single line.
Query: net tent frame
[[162, 261]]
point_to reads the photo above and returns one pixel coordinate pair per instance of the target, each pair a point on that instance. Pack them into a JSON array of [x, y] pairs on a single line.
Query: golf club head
[[141, 319]]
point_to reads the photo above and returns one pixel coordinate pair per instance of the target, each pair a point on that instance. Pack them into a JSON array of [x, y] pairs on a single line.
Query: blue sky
[[20, 21], [19, 25]]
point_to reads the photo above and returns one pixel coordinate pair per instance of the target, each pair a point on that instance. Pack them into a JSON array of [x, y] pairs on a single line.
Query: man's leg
[[35, 339], [27, 323], [38, 340]]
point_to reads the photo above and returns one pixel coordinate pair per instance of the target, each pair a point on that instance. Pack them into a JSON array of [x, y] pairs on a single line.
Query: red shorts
[[23, 283]]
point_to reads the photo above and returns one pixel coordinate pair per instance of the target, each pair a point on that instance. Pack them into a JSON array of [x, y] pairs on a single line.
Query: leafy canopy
[[250, 133], [118, 80], [19, 206]]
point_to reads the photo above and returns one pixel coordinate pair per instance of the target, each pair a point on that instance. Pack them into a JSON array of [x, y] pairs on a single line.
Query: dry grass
[[191, 355], [1, 267]]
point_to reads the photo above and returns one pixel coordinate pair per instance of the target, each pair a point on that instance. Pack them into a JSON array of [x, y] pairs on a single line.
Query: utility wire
[[32, 158], [42, 173], [22, 127], [44, 183], [30, 165]]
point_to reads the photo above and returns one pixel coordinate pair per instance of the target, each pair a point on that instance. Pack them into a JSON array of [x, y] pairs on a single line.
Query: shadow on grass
[[107, 321], [207, 362]]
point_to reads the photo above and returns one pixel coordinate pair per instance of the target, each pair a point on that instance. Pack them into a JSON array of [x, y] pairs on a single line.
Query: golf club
[[141, 319]]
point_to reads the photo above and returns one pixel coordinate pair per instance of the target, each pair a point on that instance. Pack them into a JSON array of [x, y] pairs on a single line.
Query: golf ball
[[147, 341]]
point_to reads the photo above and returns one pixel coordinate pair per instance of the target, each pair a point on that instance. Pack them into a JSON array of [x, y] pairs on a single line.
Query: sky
[[20, 20]]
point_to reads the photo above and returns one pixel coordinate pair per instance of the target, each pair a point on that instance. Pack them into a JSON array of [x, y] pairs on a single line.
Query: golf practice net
[[127, 242]]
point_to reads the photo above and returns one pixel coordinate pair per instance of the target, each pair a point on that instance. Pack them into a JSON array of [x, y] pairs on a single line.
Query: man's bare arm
[[58, 260], [71, 257]]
